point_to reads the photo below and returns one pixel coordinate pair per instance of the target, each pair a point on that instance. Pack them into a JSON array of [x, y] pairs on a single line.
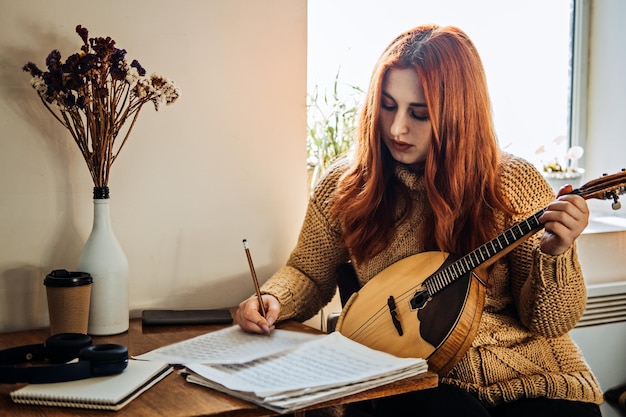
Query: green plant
[[332, 121]]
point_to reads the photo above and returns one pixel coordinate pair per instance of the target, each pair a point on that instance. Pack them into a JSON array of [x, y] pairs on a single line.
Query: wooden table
[[173, 396]]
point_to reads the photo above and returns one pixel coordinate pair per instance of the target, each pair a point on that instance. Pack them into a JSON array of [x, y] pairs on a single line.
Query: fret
[[512, 236], [474, 258], [528, 225], [441, 284], [466, 264], [451, 274], [436, 284], [430, 284], [477, 254]]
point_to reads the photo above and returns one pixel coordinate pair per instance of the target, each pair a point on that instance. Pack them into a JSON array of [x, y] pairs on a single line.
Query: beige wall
[[226, 162]]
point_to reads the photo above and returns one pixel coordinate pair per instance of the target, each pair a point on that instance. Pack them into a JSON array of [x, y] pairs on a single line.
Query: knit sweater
[[522, 348]]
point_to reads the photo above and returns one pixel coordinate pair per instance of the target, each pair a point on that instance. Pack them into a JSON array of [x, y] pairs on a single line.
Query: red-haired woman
[[428, 175]]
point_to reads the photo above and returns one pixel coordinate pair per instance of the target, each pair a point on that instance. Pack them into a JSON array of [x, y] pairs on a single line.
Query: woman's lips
[[400, 146]]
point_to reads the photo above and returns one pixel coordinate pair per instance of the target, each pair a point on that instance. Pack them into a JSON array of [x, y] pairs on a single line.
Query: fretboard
[[482, 254]]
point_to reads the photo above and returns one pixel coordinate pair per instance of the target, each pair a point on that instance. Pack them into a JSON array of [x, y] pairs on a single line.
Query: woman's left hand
[[564, 220]]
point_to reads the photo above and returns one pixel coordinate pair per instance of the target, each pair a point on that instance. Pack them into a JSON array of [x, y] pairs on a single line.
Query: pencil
[[254, 279]]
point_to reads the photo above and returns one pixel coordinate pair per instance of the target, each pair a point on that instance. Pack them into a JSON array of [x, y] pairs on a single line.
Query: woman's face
[[406, 127]]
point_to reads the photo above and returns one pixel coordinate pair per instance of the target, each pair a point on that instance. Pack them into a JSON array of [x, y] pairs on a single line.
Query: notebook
[[102, 393]]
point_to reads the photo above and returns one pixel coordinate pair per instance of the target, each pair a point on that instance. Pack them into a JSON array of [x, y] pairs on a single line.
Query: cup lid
[[65, 278]]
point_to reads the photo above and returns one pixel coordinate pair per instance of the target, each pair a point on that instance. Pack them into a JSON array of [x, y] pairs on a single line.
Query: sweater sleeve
[[308, 281], [549, 291]]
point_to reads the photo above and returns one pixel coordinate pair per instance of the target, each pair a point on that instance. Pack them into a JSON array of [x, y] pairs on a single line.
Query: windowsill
[[603, 223]]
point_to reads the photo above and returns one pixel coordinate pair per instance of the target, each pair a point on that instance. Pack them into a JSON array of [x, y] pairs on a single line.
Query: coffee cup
[[69, 295]]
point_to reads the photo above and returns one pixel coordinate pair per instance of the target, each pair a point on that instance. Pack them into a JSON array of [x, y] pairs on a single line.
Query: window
[[525, 47]]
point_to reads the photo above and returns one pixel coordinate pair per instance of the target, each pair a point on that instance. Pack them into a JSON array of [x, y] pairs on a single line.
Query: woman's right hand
[[249, 318]]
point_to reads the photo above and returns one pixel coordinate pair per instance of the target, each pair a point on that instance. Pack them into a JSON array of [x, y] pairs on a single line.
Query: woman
[[428, 175]]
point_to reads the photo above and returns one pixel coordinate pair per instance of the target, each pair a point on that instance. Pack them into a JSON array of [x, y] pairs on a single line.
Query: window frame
[[577, 134]]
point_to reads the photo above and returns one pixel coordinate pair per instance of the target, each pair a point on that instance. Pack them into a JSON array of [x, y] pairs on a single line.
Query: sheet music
[[330, 360], [230, 345], [286, 370]]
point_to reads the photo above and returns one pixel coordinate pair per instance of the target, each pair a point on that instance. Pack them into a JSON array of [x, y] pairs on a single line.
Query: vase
[[105, 260]]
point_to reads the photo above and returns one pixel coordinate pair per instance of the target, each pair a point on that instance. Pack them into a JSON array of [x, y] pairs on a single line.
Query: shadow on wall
[[40, 43], [23, 283], [63, 244]]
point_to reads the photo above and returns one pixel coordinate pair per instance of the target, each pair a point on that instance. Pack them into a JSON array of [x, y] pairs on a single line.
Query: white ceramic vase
[[105, 260]]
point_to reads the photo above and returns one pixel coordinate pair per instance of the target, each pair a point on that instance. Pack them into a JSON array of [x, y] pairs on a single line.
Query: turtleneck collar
[[411, 177]]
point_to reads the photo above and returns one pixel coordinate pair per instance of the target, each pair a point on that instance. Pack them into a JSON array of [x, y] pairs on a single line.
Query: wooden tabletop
[[173, 396]]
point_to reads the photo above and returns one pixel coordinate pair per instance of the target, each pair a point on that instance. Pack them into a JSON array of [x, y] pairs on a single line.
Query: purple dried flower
[[71, 68], [118, 70], [74, 79], [84, 34], [137, 65], [103, 47], [87, 63], [54, 81], [32, 69], [53, 60]]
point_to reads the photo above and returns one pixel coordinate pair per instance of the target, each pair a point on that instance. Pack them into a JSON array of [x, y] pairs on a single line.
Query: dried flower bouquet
[[94, 93]]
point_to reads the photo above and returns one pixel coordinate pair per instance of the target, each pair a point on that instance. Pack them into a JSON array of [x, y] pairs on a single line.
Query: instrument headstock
[[607, 187]]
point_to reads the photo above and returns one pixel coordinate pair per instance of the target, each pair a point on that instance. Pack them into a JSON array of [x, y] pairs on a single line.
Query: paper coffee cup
[[69, 295]]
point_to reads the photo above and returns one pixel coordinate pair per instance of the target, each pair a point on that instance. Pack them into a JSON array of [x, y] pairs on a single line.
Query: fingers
[[569, 210], [249, 318], [567, 188], [564, 220]]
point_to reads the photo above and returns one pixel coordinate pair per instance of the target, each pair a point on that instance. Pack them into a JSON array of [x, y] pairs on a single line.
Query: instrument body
[[429, 305]]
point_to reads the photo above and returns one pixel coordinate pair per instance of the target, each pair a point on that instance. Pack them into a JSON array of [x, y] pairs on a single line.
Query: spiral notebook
[[101, 393]]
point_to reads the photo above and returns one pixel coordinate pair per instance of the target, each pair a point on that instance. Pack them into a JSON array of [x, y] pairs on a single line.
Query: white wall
[[225, 162], [606, 121]]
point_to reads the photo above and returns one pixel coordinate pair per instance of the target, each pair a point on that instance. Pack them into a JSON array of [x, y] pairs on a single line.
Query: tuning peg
[[616, 205]]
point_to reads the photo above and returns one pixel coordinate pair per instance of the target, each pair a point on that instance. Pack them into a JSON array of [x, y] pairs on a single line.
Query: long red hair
[[460, 171]]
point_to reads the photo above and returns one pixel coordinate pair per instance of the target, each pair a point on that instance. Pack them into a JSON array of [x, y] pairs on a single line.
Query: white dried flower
[[39, 85], [574, 153]]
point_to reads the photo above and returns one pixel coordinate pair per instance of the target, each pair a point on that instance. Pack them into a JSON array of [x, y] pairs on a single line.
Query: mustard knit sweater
[[522, 348]]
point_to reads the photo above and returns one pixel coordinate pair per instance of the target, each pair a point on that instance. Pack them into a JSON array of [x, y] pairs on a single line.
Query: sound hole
[[439, 316]]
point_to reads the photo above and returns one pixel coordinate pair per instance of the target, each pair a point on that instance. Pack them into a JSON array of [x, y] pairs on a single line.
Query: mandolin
[[429, 305]]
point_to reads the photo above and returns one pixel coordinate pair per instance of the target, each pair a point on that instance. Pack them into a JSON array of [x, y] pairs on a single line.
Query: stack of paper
[[287, 370]]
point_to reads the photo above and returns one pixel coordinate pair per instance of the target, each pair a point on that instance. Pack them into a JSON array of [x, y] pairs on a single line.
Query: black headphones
[[93, 360]]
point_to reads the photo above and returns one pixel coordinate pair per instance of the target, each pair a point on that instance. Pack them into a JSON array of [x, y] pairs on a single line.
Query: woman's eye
[[420, 115], [388, 106]]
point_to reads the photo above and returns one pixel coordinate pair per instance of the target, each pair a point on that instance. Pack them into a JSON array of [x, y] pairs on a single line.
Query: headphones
[[93, 360]]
